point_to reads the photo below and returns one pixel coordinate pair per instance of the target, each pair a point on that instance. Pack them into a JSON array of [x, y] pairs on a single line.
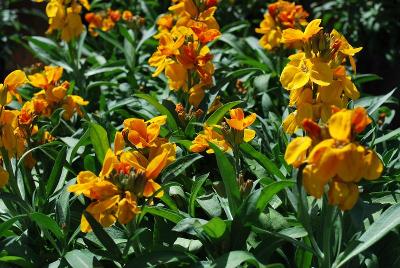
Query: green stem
[[304, 216], [12, 179], [328, 213]]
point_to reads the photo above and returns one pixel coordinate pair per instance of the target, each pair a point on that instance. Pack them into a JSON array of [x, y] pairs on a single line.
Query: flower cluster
[[231, 133], [316, 75], [106, 20], [182, 53], [128, 174], [281, 15], [331, 155], [65, 16], [17, 127], [53, 95]]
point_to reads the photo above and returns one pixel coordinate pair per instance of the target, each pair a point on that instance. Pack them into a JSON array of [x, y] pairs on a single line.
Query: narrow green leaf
[[103, 237], [19, 261], [264, 161], [45, 222], [84, 140], [388, 220], [268, 192], [167, 214], [195, 191], [389, 136], [236, 259], [219, 114], [56, 171], [161, 109], [228, 175], [98, 136], [79, 258], [164, 257], [215, 228], [5, 226], [179, 166]]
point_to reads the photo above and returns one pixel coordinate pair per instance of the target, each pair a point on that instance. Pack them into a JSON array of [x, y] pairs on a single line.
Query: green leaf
[[236, 259], [161, 109], [167, 214], [103, 236], [388, 220], [389, 136], [5, 226], [373, 103], [264, 161], [98, 136], [80, 258], [164, 257], [21, 262], [219, 114], [269, 191], [56, 171], [83, 141], [215, 228], [228, 175], [195, 191], [179, 166], [364, 78], [45, 222]]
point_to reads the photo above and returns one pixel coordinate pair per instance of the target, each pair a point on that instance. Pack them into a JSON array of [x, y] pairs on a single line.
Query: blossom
[[296, 37], [9, 88], [209, 135], [300, 71], [3, 177], [143, 133], [281, 15], [241, 123], [333, 157], [65, 16], [54, 94]]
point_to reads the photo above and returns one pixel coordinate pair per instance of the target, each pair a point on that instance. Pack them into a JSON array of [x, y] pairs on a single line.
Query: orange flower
[[143, 134]]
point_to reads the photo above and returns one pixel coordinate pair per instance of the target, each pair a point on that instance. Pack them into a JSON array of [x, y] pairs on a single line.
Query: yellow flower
[[65, 16], [301, 70], [3, 177], [295, 37], [143, 134], [344, 123], [238, 121], [72, 104], [127, 208], [343, 194], [196, 95], [296, 152], [271, 33], [46, 79], [13, 143], [165, 22], [343, 47], [201, 142], [169, 46], [9, 89]]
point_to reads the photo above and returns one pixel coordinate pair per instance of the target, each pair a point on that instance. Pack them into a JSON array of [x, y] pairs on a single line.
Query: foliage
[[106, 165]]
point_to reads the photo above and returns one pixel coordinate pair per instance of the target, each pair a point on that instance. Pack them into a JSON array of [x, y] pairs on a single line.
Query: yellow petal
[[340, 125], [312, 28], [296, 151], [321, 73], [248, 135], [156, 165], [373, 166], [3, 177]]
